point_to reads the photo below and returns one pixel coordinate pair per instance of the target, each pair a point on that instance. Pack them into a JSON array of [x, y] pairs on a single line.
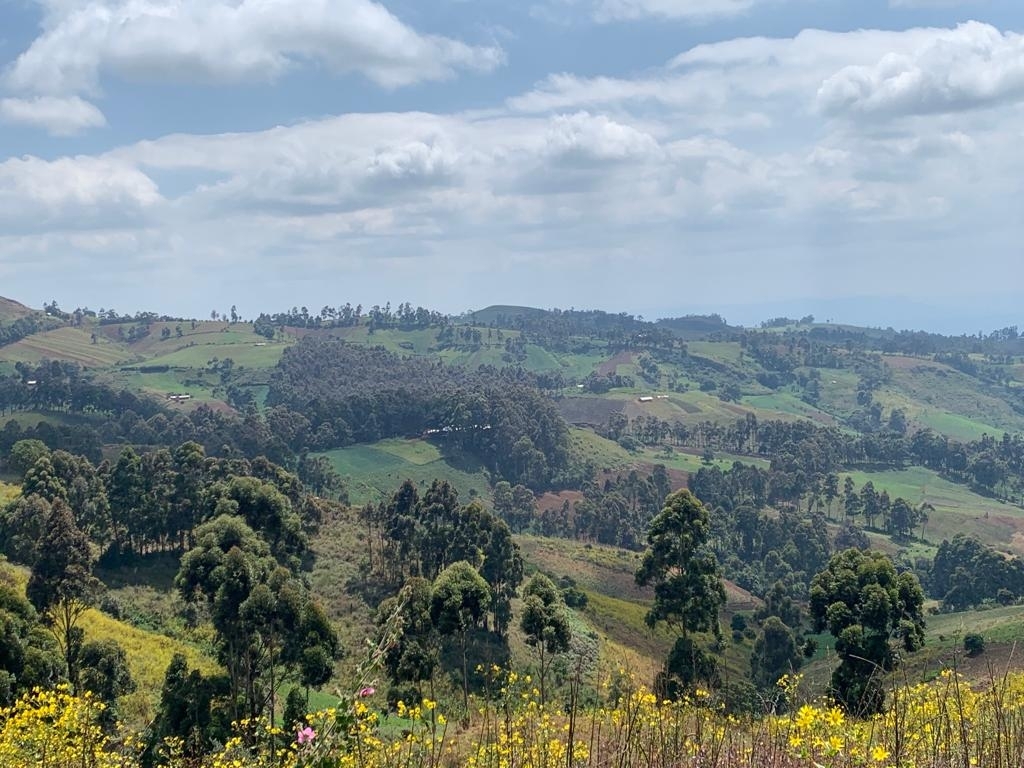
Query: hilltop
[[12, 310]]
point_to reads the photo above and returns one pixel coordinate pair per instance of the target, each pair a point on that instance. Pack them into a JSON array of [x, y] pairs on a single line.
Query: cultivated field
[[375, 471], [72, 344]]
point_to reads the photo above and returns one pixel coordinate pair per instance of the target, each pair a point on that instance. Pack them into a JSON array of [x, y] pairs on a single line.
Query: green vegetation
[[373, 471], [71, 344], [327, 469]]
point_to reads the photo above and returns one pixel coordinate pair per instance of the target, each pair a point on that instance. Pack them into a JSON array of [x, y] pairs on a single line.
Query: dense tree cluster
[[412, 536], [338, 393], [153, 501], [616, 512], [376, 317], [965, 573], [871, 611], [268, 628]]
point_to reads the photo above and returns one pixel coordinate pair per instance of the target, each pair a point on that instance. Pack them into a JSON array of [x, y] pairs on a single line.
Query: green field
[[722, 351], [580, 366], [784, 406], [692, 462], [957, 508], [375, 471], [197, 383], [607, 454], [947, 399], [71, 344], [604, 453], [242, 352]]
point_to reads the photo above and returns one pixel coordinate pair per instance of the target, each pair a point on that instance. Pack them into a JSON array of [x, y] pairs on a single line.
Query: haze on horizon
[[855, 161]]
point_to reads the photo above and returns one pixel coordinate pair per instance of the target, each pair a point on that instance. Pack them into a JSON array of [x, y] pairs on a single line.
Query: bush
[[974, 644]]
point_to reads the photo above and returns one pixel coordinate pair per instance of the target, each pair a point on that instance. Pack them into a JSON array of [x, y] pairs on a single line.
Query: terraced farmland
[[72, 344]]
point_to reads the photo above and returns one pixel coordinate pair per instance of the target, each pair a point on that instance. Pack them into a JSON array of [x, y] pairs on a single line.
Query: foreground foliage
[[945, 722]]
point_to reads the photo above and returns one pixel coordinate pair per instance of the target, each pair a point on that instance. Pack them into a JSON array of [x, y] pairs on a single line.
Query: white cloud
[[58, 116], [606, 11], [73, 193], [722, 162], [597, 137], [223, 42], [974, 65], [610, 10]]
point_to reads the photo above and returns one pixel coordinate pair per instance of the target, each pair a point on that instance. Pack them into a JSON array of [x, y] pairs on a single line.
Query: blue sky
[[854, 160]]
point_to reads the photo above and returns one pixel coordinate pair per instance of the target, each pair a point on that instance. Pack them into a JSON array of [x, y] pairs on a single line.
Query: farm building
[[645, 399]]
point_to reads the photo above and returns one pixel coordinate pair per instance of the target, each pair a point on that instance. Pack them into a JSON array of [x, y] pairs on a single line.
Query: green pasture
[[692, 462], [957, 508], [838, 391], [604, 453], [579, 366], [243, 353], [374, 472], [181, 381], [1000, 624], [722, 351], [939, 389], [785, 406]]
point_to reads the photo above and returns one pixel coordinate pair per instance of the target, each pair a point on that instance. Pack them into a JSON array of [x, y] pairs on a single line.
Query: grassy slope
[[148, 653], [12, 310], [957, 508], [607, 454], [617, 606], [72, 344], [375, 471], [195, 382]]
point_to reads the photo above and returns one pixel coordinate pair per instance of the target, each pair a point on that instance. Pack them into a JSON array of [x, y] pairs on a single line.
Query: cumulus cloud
[[974, 65], [597, 137], [724, 155], [73, 193], [58, 116], [224, 42]]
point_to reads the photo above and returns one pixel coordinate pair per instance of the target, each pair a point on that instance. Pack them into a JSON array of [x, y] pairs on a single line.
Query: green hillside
[[373, 472], [75, 345]]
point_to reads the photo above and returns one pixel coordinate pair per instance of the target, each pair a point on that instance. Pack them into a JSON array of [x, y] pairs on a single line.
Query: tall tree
[[62, 586], [687, 582], [685, 575], [868, 609], [775, 654], [545, 623], [458, 603], [267, 626]]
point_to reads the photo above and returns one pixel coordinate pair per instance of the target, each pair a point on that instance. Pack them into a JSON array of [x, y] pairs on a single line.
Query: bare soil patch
[[609, 366]]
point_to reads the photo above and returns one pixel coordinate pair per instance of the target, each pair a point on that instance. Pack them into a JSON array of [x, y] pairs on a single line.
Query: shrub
[[974, 644]]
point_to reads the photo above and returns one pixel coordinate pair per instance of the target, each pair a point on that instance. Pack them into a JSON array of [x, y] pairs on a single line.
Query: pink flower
[[367, 691], [306, 735]]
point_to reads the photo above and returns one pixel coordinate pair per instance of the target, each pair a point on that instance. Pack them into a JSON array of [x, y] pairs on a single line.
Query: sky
[[859, 160]]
